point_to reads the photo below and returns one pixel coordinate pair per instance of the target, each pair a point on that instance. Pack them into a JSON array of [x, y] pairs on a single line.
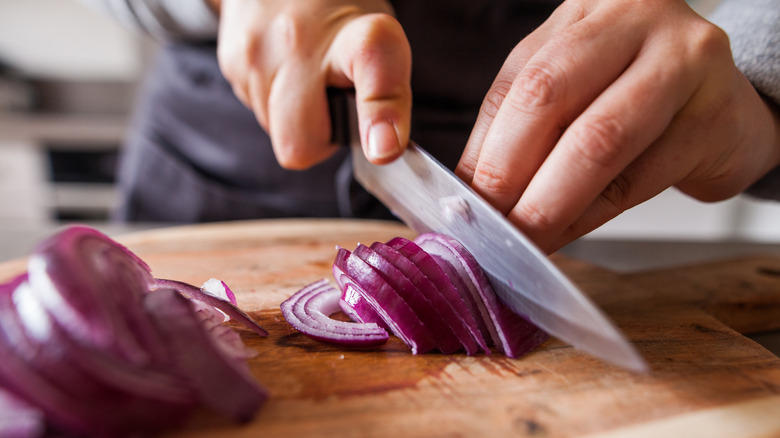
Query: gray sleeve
[[188, 20], [753, 27]]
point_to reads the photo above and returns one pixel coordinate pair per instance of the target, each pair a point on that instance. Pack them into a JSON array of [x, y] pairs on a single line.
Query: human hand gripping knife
[[428, 197]]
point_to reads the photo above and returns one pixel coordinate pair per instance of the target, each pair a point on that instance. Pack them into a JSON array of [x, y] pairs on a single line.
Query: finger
[[257, 96], [555, 85], [372, 53], [559, 20], [298, 119], [621, 123], [654, 171], [669, 160], [236, 53]]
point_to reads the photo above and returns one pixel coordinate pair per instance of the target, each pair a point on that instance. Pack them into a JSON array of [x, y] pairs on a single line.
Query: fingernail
[[382, 141]]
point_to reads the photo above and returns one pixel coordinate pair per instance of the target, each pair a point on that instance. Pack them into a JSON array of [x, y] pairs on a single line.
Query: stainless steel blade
[[429, 197]]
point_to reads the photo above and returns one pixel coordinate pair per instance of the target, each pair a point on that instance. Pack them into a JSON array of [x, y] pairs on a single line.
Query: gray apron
[[196, 154]]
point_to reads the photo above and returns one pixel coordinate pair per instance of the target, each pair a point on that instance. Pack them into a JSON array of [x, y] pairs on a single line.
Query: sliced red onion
[[512, 334], [394, 311], [451, 285], [82, 342], [70, 274], [309, 310], [199, 294], [417, 299], [420, 268], [19, 419], [74, 383], [357, 308], [219, 289], [223, 384]]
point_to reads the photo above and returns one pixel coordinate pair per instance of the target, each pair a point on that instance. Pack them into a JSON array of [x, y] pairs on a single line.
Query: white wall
[[64, 39], [673, 215]]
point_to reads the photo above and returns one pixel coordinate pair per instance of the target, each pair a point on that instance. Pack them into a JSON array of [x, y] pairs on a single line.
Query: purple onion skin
[[514, 335], [95, 359], [19, 419], [425, 270], [222, 384], [309, 309], [352, 300], [417, 299], [229, 307], [395, 312], [70, 273]]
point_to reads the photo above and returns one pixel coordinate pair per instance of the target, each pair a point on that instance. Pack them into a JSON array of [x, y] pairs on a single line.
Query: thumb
[[372, 53]]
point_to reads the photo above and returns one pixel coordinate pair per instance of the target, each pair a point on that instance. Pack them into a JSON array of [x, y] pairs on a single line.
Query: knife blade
[[428, 197]]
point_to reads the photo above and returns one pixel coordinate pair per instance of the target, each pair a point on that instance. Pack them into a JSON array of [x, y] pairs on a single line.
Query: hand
[[607, 104], [281, 55]]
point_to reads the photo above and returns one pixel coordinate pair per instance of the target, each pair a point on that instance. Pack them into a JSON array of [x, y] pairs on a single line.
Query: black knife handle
[[338, 105]]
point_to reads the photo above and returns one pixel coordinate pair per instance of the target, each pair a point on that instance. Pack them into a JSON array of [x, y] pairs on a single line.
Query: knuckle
[[382, 36], [532, 218], [287, 32], [599, 140], [618, 195], [492, 180], [536, 87], [495, 97], [710, 42]]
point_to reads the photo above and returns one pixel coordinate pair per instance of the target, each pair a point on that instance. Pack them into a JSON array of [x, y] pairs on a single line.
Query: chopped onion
[[511, 333], [417, 299], [226, 306], [309, 310], [422, 268], [385, 301], [19, 419], [97, 346], [430, 292]]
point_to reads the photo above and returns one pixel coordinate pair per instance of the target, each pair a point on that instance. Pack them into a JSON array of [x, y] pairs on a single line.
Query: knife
[[428, 197]]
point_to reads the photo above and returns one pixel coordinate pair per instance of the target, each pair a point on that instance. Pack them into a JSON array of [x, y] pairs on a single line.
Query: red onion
[[384, 300], [511, 333], [431, 293], [212, 298], [19, 419], [309, 310], [422, 268], [86, 343], [417, 299]]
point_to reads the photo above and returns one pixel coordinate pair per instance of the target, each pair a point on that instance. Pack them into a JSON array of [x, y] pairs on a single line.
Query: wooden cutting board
[[707, 379]]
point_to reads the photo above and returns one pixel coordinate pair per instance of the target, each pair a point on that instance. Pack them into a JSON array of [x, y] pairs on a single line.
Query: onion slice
[[223, 384], [422, 270], [19, 419], [394, 311], [447, 280], [92, 348], [309, 310], [227, 307], [512, 334], [417, 299]]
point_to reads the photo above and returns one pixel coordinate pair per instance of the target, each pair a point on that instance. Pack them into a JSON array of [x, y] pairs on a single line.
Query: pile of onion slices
[[92, 344], [430, 292]]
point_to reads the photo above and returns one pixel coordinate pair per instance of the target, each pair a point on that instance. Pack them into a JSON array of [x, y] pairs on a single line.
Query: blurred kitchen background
[[68, 76]]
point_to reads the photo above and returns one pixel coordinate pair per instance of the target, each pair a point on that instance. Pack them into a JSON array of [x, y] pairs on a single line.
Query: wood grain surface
[[707, 379]]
